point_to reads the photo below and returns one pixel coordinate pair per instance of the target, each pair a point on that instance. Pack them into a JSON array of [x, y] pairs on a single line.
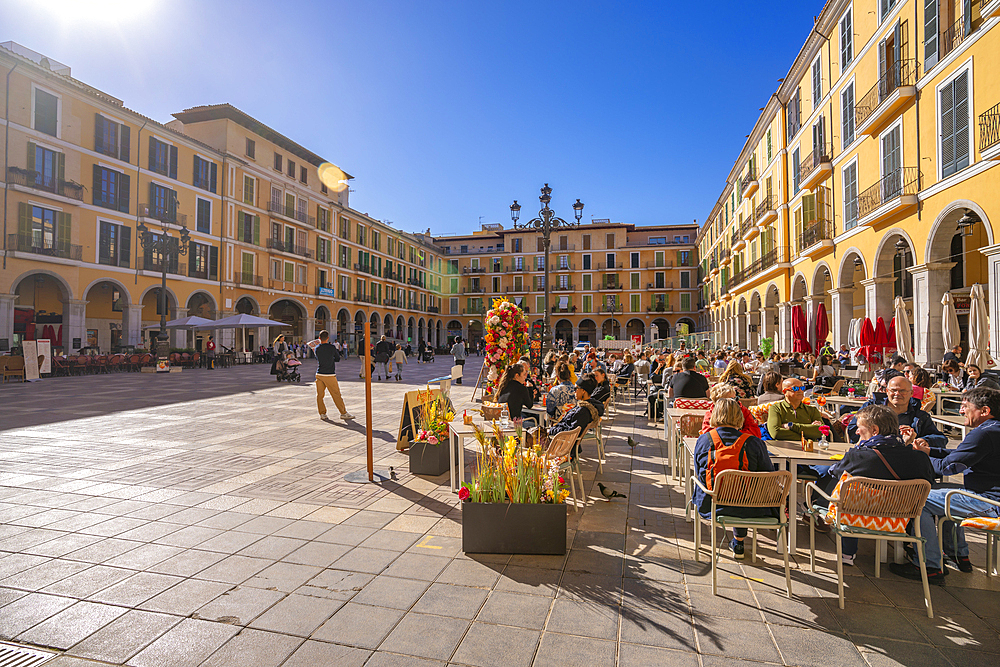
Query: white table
[[841, 400], [939, 396], [671, 424], [954, 421]]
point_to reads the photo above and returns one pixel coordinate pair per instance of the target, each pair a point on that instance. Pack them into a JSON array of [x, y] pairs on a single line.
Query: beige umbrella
[[903, 331], [949, 323], [979, 334]]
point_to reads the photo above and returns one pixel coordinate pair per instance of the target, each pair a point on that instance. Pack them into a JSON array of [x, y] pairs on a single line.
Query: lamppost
[[163, 245], [545, 221]]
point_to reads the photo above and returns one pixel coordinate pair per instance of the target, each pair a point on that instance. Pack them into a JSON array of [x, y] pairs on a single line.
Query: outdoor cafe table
[[842, 400], [457, 434], [954, 421], [784, 453], [671, 426], [939, 397]]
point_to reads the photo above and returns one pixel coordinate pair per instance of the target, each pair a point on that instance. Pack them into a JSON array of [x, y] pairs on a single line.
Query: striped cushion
[[692, 404], [982, 523]]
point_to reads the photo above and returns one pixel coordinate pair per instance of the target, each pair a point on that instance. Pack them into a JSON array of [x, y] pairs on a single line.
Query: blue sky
[[447, 111]]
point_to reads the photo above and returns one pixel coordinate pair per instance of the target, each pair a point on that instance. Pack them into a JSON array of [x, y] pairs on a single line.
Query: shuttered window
[[851, 196], [932, 19], [795, 169], [847, 115], [846, 41], [162, 158], [954, 103], [204, 213], [46, 112], [817, 82], [111, 189]]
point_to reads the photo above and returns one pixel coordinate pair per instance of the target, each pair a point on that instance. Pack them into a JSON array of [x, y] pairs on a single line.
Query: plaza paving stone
[[203, 519]]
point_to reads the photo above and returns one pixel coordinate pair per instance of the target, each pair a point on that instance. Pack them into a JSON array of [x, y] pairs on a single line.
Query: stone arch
[[410, 324], [387, 326], [800, 288], [43, 308], [375, 321], [846, 272], [822, 279], [454, 330], [611, 327], [934, 251], [401, 328], [205, 303], [756, 320], [124, 290], [60, 281], [635, 327], [108, 313], [564, 331], [293, 314], [662, 326], [588, 331], [247, 305], [886, 265], [742, 324], [420, 330]]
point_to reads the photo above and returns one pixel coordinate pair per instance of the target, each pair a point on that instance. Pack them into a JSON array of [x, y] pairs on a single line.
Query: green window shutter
[[61, 166], [124, 144], [256, 230], [124, 192], [152, 154], [96, 190], [63, 221], [31, 156], [124, 245], [930, 33], [99, 138], [23, 221], [213, 263], [173, 162]]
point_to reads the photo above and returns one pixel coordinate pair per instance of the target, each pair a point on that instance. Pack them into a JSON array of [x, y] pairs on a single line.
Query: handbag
[[884, 524]]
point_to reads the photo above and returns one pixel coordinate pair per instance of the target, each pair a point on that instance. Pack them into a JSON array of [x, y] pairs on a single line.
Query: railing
[[812, 162], [813, 233], [749, 178], [248, 279], [989, 128], [664, 285], [473, 290], [765, 205], [666, 264], [473, 269], [33, 179], [168, 214], [433, 309], [290, 212], [901, 73], [905, 181], [323, 225], [27, 243], [177, 269], [563, 288], [610, 286], [640, 243], [951, 38], [278, 244], [735, 237], [769, 259], [474, 311], [608, 266], [516, 290], [563, 248], [563, 267]]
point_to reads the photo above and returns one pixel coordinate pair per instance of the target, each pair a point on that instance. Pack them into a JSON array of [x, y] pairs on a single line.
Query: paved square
[[203, 519]]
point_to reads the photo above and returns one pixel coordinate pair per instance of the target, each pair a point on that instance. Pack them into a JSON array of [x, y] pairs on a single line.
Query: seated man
[[977, 458], [586, 412], [899, 399], [790, 418], [688, 383]]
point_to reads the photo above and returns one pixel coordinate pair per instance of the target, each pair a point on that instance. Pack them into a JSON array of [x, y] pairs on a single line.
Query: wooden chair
[[13, 367], [877, 499], [561, 449], [741, 488], [989, 525]]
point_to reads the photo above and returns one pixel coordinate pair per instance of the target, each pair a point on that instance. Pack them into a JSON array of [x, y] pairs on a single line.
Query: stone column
[[576, 334], [754, 321], [993, 295], [784, 343], [75, 312], [132, 323], [878, 298], [7, 317], [742, 330], [310, 329], [930, 282], [841, 313], [767, 328]]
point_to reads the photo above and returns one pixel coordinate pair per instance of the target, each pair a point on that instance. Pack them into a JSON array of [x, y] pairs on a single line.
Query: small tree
[[767, 346]]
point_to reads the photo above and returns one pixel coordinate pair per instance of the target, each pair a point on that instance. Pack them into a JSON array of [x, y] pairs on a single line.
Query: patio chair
[[13, 367], [134, 362], [561, 449], [875, 501], [116, 363], [989, 525], [641, 383], [741, 488], [596, 431], [100, 364]]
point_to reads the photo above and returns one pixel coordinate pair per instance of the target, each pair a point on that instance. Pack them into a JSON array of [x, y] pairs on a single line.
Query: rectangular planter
[[428, 459], [517, 528]]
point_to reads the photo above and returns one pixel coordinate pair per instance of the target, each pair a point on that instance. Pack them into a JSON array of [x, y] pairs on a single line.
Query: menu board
[[30, 360]]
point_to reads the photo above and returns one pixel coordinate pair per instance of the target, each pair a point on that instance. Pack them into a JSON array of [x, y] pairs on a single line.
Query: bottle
[[504, 416], [824, 444]]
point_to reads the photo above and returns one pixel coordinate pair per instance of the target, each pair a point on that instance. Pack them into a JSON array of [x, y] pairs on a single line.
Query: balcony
[[281, 246], [666, 264], [893, 194], [894, 90], [473, 290], [749, 183], [289, 212], [737, 242], [989, 9], [816, 237], [562, 267], [287, 286], [518, 269], [481, 310], [473, 269], [816, 167], [609, 286], [516, 290], [144, 263], [660, 286], [248, 279], [767, 263], [27, 178], [726, 258], [29, 244], [766, 211], [989, 134], [163, 213], [660, 307], [433, 309], [563, 288], [608, 266]]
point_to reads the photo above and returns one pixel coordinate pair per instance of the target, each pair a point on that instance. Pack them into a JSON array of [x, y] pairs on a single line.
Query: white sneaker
[[848, 560], [323, 417], [346, 416]]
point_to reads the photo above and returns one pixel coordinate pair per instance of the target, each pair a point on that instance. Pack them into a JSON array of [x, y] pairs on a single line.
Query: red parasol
[[822, 325], [890, 336], [799, 339], [867, 340], [881, 338], [58, 341]]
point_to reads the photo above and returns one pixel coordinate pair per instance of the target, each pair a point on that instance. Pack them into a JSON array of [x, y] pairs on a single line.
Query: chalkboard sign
[[4, 344], [77, 344], [409, 419]]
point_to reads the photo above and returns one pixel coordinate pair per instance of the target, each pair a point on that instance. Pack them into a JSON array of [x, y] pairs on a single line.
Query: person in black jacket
[[383, 351], [586, 412], [512, 390], [976, 378], [603, 391], [899, 399], [882, 453], [326, 376]]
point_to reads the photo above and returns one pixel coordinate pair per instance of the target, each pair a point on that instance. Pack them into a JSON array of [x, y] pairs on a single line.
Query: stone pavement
[[202, 519]]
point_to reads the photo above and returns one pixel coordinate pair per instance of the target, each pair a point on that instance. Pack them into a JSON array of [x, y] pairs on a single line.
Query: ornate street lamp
[[967, 222], [545, 221], [163, 245]]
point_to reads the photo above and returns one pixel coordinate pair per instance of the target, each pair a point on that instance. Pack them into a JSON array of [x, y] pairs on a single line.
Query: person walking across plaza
[[398, 358], [210, 349], [326, 377], [458, 350], [383, 357]]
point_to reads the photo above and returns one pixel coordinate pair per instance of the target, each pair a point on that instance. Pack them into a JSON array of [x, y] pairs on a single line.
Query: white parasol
[[903, 343]]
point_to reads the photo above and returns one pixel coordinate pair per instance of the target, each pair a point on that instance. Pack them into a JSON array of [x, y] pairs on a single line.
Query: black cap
[[587, 384]]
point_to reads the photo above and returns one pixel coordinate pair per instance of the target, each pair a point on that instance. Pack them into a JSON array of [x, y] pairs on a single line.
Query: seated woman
[[586, 412], [824, 369], [720, 391], [512, 390], [563, 393], [770, 388], [882, 453], [736, 376], [625, 371], [954, 375], [977, 379], [726, 422]]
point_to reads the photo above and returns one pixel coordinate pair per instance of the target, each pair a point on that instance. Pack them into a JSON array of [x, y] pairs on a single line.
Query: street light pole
[[163, 245], [545, 221]]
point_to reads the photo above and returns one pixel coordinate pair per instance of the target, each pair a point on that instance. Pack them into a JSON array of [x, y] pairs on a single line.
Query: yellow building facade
[[848, 193]]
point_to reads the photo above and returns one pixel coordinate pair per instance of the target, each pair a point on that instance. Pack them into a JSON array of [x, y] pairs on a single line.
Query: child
[[882, 453], [399, 358]]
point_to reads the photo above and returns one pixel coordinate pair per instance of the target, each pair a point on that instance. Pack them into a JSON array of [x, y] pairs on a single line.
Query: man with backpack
[[326, 377], [725, 447]]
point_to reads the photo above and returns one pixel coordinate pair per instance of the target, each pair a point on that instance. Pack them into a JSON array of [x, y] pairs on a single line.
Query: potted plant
[[515, 503], [428, 451]]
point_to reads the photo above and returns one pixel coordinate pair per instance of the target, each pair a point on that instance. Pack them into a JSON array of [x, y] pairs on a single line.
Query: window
[[795, 170], [496, 284], [588, 302], [685, 279], [111, 189], [247, 269], [634, 305], [609, 240], [610, 259], [251, 149], [539, 244], [48, 165], [586, 241], [684, 258], [289, 272], [847, 115], [891, 163], [586, 262], [658, 258], [515, 245], [587, 282], [204, 216], [685, 302], [249, 187], [248, 228], [300, 275], [817, 82], [46, 113], [162, 158], [850, 195], [954, 109], [345, 228], [846, 41], [303, 175], [659, 281], [769, 145], [111, 138], [198, 260], [277, 162], [291, 169], [657, 240], [634, 281], [453, 305], [884, 7], [634, 258], [204, 174], [539, 304]]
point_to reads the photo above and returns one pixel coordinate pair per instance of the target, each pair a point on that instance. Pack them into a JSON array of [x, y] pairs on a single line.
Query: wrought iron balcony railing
[[29, 243], [900, 73], [163, 213], [36, 181], [904, 181], [989, 127], [813, 233], [765, 205], [290, 212], [810, 163]]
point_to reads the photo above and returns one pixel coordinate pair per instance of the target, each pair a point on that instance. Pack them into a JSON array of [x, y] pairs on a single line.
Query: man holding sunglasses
[[789, 419]]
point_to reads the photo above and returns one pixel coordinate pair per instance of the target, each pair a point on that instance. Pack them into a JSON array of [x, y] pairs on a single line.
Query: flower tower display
[[506, 339]]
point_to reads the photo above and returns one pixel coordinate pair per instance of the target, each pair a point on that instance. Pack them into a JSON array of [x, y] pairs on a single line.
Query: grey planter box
[[428, 459], [517, 528]]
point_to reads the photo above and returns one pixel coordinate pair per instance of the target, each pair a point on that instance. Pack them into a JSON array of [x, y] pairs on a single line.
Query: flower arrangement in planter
[[506, 338], [432, 414], [516, 500]]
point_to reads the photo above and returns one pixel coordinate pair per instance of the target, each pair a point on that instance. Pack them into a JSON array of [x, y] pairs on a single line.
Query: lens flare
[[332, 177]]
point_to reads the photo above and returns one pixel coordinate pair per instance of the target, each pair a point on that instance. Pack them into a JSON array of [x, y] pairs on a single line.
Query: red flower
[[463, 493], [562, 481]]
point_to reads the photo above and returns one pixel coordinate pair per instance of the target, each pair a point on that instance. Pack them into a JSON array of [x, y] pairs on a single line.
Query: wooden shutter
[[931, 16], [172, 263], [213, 263], [967, 17], [173, 162], [124, 143], [881, 70], [151, 206], [124, 245], [31, 156], [124, 192], [96, 190], [23, 222], [213, 174], [955, 125], [172, 205], [152, 154], [100, 141], [61, 166], [63, 228], [256, 230]]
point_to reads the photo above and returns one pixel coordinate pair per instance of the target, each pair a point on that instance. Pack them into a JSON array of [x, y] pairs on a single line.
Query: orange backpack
[[725, 457]]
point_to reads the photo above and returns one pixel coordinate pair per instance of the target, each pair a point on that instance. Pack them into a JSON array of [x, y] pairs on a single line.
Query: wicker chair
[[877, 499], [13, 367], [595, 431], [82, 363], [989, 525], [561, 449], [741, 488]]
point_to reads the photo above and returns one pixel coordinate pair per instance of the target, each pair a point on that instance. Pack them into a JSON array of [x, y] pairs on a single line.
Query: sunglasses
[[798, 388]]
